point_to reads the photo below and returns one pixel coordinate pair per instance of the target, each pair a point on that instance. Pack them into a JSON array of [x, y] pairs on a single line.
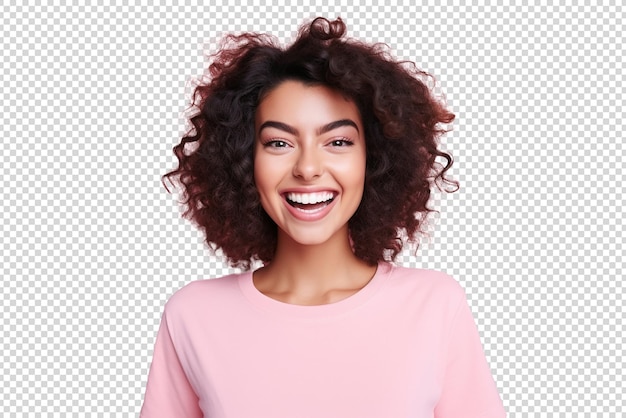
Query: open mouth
[[310, 202]]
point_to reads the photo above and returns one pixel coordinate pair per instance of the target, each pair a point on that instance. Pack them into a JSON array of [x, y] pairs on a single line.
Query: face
[[309, 161]]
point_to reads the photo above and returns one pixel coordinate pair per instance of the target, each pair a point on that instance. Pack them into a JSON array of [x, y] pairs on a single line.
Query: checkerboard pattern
[[94, 97]]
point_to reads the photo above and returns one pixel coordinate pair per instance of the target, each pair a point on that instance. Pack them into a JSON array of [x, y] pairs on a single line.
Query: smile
[[309, 198], [309, 206]]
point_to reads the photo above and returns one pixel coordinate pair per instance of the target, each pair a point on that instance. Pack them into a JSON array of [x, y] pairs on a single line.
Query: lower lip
[[312, 215]]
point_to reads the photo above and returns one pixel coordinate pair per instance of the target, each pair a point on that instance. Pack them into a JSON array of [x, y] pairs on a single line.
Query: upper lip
[[308, 190]]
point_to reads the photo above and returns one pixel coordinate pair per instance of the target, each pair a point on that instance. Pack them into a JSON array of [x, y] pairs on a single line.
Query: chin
[[316, 237]]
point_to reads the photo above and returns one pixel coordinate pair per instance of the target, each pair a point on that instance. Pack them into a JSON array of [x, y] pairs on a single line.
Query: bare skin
[[310, 139], [313, 275]]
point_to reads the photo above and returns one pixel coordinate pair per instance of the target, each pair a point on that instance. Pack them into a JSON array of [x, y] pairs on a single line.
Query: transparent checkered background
[[93, 99]]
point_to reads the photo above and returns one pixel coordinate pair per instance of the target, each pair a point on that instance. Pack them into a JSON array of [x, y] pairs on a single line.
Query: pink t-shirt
[[405, 345]]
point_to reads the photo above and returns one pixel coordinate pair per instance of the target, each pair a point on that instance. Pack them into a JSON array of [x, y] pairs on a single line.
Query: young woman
[[315, 160]]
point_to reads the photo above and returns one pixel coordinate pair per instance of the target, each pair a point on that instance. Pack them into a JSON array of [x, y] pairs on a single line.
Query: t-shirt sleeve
[[468, 388], [168, 392]]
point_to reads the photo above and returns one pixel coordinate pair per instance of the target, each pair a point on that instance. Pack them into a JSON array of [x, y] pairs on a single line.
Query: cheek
[[260, 170], [259, 180], [265, 178], [358, 179], [352, 172]]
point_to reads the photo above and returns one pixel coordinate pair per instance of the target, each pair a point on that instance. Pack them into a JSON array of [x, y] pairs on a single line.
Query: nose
[[308, 165]]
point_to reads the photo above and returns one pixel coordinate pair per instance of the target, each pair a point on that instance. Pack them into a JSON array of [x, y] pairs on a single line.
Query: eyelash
[[273, 143], [345, 142]]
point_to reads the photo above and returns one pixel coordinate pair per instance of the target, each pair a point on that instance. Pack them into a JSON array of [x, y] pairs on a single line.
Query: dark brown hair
[[402, 122]]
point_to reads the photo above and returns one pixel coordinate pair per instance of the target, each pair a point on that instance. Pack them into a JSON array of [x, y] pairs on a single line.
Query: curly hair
[[402, 120]]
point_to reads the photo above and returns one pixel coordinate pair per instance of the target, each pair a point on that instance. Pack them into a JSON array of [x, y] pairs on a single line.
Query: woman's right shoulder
[[201, 294]]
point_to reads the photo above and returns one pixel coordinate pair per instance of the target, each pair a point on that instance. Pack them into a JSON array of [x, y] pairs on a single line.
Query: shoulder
[[203, 296], [431, 298], [437, 286], [425, 278]]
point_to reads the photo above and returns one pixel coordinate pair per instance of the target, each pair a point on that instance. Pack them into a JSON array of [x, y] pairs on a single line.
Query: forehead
[[298, 104]]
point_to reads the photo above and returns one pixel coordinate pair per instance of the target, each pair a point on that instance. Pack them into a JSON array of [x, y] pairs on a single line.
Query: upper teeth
[[309, 198]]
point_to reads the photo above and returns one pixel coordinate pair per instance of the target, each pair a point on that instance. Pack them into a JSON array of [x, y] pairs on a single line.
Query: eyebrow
[[322, 130]]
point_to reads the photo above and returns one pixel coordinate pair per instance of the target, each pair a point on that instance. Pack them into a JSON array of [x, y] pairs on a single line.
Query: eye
[[275, 143], [341, 142]]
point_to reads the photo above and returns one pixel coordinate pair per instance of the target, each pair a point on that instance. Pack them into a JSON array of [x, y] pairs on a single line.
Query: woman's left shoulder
[[427, 280]]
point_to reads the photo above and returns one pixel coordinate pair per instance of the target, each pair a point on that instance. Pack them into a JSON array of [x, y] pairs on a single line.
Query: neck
[[308, 274], [315, 261]]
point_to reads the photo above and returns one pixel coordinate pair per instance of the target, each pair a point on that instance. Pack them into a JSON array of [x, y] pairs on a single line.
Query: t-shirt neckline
[[268, 304]]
